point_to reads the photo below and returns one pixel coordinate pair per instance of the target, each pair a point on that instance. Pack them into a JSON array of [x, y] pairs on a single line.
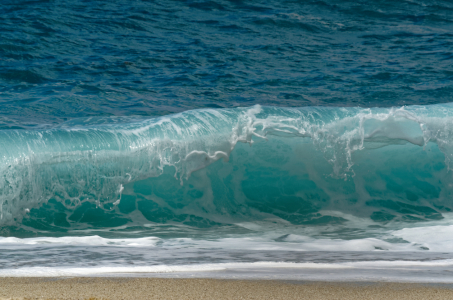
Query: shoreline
[[96, 288]]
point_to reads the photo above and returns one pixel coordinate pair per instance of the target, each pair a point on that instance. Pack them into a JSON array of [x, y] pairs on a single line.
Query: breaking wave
[[217, 167]]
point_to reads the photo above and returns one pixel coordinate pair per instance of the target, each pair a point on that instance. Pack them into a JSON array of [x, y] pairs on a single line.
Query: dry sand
[[179, 289]]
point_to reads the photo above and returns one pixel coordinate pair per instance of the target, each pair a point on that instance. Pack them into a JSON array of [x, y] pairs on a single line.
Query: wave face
[[216, 168]]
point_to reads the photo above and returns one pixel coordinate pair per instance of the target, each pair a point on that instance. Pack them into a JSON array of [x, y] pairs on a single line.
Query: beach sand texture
[[157, 288]]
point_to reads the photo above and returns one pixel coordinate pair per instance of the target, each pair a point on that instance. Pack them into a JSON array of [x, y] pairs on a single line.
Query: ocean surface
[[296, 140]]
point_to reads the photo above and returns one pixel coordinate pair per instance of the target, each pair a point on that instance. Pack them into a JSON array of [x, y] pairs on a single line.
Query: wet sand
[[178, 289]]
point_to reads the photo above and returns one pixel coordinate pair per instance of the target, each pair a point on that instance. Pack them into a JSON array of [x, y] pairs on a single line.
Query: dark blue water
[[67, 59], [227, 136]]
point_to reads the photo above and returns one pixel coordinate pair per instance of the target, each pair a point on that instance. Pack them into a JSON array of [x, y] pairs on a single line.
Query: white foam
[[80, 241], [266, 242], [435, 238], [303, 243], [251, 270]]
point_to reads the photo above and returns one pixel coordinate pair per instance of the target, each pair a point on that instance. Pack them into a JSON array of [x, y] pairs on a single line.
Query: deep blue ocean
[[303, 140]]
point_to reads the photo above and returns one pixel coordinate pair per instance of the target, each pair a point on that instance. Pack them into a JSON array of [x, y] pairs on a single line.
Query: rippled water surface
[[66, 59]]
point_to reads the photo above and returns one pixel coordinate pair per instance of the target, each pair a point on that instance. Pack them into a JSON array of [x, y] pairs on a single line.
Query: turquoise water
[[236, 137], [214, 168]]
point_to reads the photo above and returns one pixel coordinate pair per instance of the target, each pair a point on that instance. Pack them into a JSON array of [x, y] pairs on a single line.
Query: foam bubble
[[80, 241]]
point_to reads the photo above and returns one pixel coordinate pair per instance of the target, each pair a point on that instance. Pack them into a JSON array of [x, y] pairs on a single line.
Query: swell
[[304, 166]]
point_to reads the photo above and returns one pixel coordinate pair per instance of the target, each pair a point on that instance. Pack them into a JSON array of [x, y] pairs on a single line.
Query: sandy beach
[[156, 288]]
